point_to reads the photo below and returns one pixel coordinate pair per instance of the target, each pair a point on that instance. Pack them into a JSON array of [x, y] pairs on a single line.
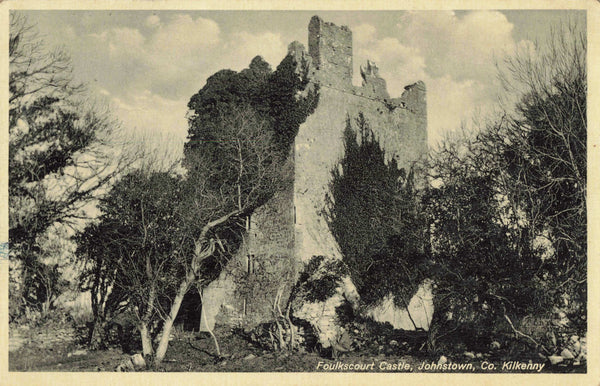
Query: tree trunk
[[146, 339], [145, 321], [98, 334], [164, 339]]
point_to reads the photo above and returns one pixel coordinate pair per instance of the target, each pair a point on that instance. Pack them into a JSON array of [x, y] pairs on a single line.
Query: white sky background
[[147, 64]]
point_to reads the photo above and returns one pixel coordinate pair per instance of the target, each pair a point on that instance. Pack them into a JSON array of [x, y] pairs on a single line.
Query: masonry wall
[[292, 228], [271, 267], [319, 148], [400, 124], [272, 226], [263, 271], [330, 48]]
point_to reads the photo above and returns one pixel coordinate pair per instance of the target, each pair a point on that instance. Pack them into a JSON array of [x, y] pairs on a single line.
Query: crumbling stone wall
[[294, 222], [400, 125], [330, 48], [372, 82]]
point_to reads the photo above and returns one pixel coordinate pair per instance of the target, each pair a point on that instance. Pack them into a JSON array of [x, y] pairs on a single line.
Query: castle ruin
[[289, 230]]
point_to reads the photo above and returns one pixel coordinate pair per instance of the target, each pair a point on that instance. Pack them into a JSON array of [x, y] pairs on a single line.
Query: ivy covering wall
[[375, 218]]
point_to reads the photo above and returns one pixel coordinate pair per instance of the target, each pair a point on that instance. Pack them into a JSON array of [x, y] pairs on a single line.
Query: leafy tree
[[234, 164], [58, 160]]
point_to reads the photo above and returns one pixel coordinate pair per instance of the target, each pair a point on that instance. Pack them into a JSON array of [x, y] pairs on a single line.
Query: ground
[[52, 347]]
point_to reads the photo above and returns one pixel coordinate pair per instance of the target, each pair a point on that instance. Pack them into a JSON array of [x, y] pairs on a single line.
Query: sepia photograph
[[297, 191]]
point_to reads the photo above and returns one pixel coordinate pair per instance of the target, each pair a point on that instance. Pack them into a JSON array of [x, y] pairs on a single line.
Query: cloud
[[184, 36], [140, 109], [158, 122], [165, 60], [124, 41], [150, 70], [453, 103], [149, 73], [364, 33], [399, 64], [175, 57], [461, 46], [453, 54], [244, 46]]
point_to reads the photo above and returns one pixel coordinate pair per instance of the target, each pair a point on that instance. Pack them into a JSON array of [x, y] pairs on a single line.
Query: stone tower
[[330, 48], [288, 231], [400, 125]]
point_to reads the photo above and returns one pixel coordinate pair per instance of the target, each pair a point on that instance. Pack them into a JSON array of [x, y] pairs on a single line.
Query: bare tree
[[248, 170], [544, 142]]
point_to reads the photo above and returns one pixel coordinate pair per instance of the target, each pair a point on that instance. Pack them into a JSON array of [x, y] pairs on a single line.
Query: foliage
[[264, 284], [375, 219], [224, 91], [546, 163], [478, 259], [237, 123], [321, 278], [266, 287], [44, 284], [161, 235], [372, 338], [287, 110], [137, 249], [233, 166], [271, 95], [241, 128], [58, 158], [508, 215]]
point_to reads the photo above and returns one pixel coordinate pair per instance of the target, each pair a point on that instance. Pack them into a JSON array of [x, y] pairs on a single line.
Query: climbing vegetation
[[374, 215]]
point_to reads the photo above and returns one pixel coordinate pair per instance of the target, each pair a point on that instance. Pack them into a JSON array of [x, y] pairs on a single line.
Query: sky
[[147, 64]]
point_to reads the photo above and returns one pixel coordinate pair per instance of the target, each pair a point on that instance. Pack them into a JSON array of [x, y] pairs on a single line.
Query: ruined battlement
[[400, 123], [373, 85], [330, 60], [413, 98]]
